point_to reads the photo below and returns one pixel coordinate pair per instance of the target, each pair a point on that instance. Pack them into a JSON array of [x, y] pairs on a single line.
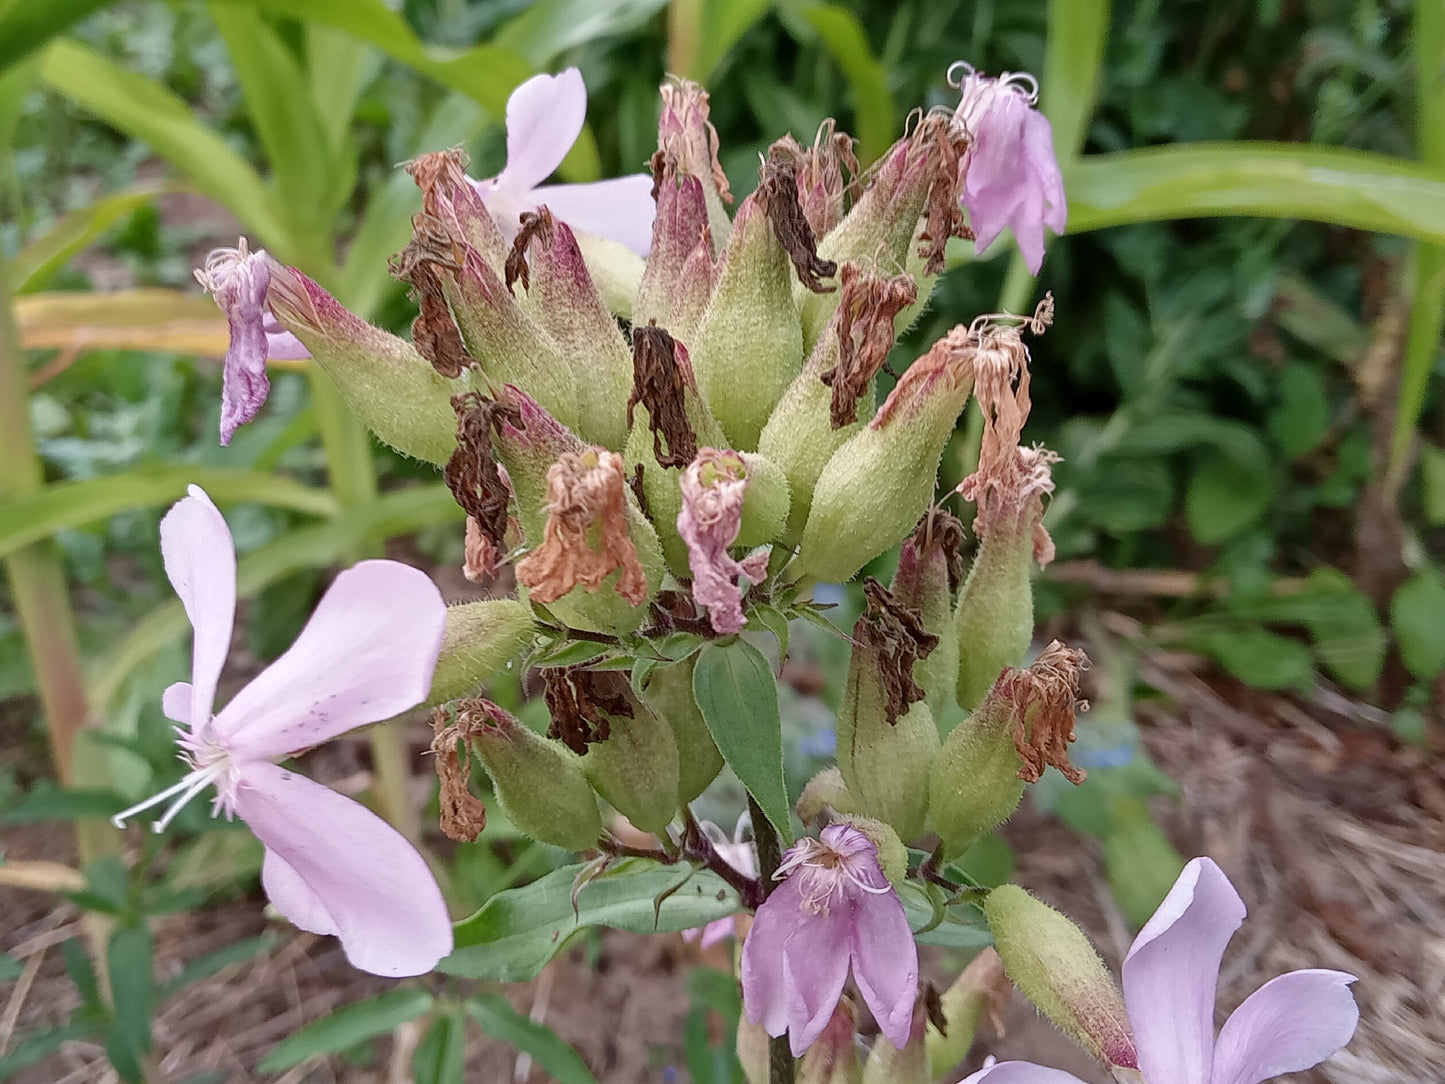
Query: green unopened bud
[[563, 299], [994, 621], [631, 756], [1051, 961], [481, 638], [887, 1064], [881, 480], [825, 798], [982, 987], [887, 741], [927, 576], [669, 692], [833, 1057], [752, 1051], [616, 270], [749, 344], [1024, 724], [892, 854], [540, 784], [393, 389], [678, 281]]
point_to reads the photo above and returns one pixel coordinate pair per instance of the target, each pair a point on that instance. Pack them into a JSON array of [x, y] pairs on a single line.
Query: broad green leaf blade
[[1276, 180], [390, 515], [1417, 614], [132, 992], [1078, 30], [441, 1056], [147, 111], [26, 25], [845, 39], [517, 931], [40, 513], [738, 697], [1226, 495], [499, 1020], [548, 28], [36, 262], [1259, 657], [348, 1026]]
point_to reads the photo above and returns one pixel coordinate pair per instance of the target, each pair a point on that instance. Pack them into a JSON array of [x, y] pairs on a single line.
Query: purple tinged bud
[[889, 1064], [678, 279], [687, 138], [833, 1058], [1051, 961]]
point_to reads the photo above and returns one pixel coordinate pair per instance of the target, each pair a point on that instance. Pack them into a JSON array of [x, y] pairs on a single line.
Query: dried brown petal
[[471, 473], [438, 175], [944, 531], [685, 133], [580, 701], [778, 194], [943, 218], [533, 224], [897, 638], [863, 322], [586, 535], [1046, 701], [660, 378], [463, 814], [421, 263]]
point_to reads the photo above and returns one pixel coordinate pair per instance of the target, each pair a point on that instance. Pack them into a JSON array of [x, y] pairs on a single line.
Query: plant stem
[[770, 857]]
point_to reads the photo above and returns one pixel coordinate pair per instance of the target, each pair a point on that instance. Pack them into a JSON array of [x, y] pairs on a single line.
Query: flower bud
[[752, 1050], [927, 575], [540, 784], [879, 482], [630, 756], [994, 621], [1025, 723], [678, 280], [892, 854], [669, 693], [1052, 962], [887, 741], [825, 798], [562, 298], [833, 1057], [887, 1064], [687, 137], [749, 345], [393, 389], [983, 986], [820, 409], [616, 270], [481, 638], [449, 196]]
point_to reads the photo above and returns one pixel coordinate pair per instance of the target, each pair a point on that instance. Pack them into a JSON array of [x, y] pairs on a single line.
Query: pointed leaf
[[499, 1020], [348, 1026], [441, 1056], [45, 255]]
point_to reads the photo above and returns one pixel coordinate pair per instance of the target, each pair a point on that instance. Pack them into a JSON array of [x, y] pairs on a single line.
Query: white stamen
[[187, 788]]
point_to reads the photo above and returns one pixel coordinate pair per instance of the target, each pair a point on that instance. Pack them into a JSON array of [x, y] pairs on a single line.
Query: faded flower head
[[834, 908], [544, 118], [586, 535], [367, 653], [239, 280], [713, 486], [1010, 174], [1171, 973], [685, 134]]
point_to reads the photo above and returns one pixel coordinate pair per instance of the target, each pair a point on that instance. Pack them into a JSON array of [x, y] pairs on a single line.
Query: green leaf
[[26, 25], [392, 514], [517, 931], [1142, 865], [548, 28], [145, 110], [213, 963], [47, 802], [1303, 416], [39, 514], [1277, 180], [844, 38], [1417, 614], [738, 697], [499, 1020], [36, 262], [1078, 30], [700, 32], [1226, 495], [961, 926], [36, 1048], [347, 1026], [133, 995], [441, 1056], [1259, 657]]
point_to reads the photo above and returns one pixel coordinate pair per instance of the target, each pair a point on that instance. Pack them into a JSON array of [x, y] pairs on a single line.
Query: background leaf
[[499, 1020], [347, 1026]]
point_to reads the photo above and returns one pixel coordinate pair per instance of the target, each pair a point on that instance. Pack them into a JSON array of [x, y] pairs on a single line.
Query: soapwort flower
[[238, 279], [835, 908], [1289, 1024], [331, 865], [544, 118], [739, 852], [1010, 174]]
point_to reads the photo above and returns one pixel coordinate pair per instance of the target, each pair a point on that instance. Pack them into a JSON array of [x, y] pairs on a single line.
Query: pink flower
[[544, 118], [238, 279], [713, 486], [1010, 175], [835, 908], [331, 865], [739, 853], [1289, 1024]]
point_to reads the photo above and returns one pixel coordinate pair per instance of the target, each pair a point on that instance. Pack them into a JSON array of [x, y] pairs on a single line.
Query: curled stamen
[[964, 68], [1042, 318], [188, 787], [1021, 80]]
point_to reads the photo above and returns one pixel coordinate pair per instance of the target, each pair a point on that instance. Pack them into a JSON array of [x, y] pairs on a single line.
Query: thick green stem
[[770, 856]]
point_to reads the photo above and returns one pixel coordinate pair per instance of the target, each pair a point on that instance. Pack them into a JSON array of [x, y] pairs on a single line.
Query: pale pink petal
[[1020, 1072], [200, 561], [620, 209], [241, 297], [333, 866], [719, 929], [280, 343], [544, 118], [176, 703], [815, 967], [1172, 970], [885, 961], [765, 999], [1288, 1025], [366, 654]]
